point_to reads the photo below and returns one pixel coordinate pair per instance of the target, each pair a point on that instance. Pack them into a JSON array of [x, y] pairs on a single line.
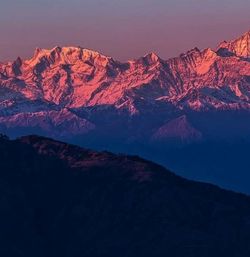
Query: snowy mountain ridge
[[77, 79]]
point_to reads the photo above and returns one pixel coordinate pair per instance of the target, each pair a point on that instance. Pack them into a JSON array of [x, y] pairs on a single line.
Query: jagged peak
[[69, 54], [18, 61], [152, 56], [244, 36], [193, 53], [209, 53], [197, 51], [148, 59], [239, 46], [40, 51], [194, 50]]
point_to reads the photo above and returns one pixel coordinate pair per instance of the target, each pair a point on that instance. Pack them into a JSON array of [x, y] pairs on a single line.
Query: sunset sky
[[123, 29]]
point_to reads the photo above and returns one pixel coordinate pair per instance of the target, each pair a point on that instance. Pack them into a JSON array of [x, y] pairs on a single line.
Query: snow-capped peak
[[152, 57], [68, 55], [240, 46]]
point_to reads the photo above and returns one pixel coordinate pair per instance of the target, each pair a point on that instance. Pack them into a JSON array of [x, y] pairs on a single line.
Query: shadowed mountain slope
[[62, 200]]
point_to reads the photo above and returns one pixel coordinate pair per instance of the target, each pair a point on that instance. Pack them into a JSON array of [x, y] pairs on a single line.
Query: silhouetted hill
[[61, 200]]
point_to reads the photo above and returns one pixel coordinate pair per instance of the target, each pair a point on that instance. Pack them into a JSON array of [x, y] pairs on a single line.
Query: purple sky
[[123, 29]]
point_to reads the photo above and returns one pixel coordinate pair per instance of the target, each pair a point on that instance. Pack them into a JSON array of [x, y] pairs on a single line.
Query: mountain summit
[[240, 47]]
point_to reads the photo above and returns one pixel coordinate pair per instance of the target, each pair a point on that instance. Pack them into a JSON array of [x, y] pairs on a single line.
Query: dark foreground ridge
[[61, 200]]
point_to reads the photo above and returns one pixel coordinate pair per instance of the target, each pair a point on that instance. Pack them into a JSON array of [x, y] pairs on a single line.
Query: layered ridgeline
[[61, 200], [72, 81], [143, 105]]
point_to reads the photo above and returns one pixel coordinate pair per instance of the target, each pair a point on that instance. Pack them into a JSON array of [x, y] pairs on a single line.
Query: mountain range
[[73, 78], [143, 106], [62, 200]]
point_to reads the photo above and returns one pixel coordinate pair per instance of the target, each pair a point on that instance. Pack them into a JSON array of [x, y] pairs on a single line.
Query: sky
[[123, 29]]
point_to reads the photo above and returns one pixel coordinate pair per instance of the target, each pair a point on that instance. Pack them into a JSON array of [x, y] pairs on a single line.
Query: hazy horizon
[[123, 29]]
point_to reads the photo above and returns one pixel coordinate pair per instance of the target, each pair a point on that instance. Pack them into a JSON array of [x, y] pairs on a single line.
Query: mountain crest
[[149, 59], [69, 55], [153, 57], [239, 47]]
